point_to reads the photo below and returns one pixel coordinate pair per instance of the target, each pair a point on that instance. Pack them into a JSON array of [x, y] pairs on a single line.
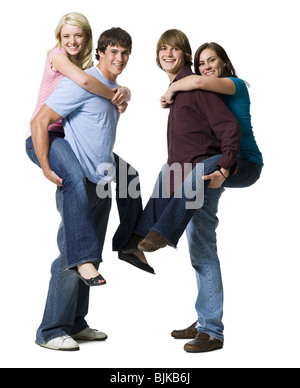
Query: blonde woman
[[71, 55]]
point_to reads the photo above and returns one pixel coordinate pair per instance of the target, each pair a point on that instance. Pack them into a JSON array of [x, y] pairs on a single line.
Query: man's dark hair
[[113, 37]]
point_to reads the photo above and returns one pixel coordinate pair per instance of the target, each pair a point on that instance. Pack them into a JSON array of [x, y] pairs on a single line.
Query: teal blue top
[[239, 104]]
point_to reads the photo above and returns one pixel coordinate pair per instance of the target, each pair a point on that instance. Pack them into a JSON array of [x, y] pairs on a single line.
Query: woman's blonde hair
[[84, 59]]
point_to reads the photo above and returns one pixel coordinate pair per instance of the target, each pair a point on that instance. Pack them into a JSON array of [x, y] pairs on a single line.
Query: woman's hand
[[169, 96], [122, 95], [167, 99], [163, 102], [121, 98]]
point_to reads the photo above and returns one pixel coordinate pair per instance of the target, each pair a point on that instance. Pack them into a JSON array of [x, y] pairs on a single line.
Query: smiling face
[[113, 61], [72, 39], [171, 60], [210, 64]]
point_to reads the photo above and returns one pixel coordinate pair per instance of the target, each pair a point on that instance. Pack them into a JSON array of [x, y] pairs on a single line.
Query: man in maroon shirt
[[201, 129], [200, 125]]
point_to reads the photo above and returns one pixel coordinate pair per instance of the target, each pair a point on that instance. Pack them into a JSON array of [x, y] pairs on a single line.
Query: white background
[[258, 235]]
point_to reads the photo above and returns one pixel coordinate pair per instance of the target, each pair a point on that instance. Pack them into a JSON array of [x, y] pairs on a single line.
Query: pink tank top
[[49, 82]]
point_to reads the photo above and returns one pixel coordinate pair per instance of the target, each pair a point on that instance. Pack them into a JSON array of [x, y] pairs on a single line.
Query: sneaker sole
[[58, 348], [88, 339]]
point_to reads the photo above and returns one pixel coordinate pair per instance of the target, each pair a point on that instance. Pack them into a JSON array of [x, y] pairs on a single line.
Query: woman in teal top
[[216, 73]]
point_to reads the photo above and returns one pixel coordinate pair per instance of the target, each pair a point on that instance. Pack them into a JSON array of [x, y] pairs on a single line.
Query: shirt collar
[[184, 72]]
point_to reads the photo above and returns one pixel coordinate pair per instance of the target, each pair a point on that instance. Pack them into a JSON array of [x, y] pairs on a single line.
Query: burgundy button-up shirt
[[200, 125]]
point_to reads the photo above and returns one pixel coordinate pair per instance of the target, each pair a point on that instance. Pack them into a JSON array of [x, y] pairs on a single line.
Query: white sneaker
[[89, 334], [61, 343]]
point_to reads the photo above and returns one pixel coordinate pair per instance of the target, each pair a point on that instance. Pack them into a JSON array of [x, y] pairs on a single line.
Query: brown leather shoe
[[203, 343], [152, 242], [132, 245], [188, 333]]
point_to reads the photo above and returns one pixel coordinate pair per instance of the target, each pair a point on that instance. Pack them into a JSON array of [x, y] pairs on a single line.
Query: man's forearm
[[40, 139]]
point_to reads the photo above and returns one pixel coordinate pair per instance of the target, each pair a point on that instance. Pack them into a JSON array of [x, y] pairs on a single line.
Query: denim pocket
[[31, 152]]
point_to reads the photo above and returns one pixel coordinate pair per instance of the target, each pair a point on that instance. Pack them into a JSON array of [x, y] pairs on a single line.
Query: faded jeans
[[68, 297], [202, 241]]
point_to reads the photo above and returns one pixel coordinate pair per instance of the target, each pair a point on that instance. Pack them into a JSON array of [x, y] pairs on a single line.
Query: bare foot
[[88, 271]]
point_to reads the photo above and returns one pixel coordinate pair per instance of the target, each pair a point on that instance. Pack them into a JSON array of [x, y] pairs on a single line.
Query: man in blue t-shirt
[[90, 123]]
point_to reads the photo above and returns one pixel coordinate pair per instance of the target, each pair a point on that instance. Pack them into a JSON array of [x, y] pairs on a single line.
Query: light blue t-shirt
[[90, 124], [239, 104]]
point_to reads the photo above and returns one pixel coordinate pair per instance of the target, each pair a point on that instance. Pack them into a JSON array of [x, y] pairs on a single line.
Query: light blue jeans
[[202, 241]]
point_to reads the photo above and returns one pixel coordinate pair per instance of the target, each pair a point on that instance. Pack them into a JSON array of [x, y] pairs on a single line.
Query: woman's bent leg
[[79, 226], [247, 174]]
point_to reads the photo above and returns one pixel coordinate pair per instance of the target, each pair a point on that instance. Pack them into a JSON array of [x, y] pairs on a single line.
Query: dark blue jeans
[[169, 216], [247, 174], [129, 202]]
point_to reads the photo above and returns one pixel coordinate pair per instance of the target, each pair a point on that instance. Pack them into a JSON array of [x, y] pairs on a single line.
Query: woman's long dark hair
[[229, 70]]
